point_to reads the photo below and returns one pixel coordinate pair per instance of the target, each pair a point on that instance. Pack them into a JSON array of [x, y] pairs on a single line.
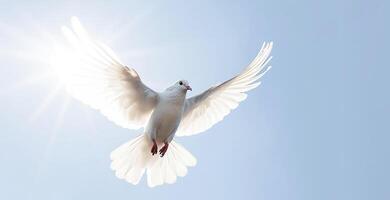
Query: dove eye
[[181, 83]]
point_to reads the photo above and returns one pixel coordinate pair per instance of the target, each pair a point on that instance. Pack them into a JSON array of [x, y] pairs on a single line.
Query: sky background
[[317, 128]]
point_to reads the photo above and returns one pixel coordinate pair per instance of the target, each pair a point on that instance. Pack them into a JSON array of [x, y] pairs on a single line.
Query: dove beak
[[188, 87]]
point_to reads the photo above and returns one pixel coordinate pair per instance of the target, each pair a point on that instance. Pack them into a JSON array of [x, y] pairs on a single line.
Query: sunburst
[[36, 48]]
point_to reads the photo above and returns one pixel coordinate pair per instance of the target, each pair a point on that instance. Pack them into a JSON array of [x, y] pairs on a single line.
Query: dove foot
[[164, 149], [154, 148]]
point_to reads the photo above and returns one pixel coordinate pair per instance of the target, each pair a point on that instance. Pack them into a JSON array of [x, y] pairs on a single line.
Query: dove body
[[167, 115]]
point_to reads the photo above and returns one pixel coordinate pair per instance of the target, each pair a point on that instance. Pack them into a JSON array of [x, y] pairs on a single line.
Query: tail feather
[[129, 160], [132, 159]]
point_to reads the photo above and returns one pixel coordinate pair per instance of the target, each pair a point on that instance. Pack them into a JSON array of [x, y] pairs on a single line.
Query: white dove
[[94, 75]]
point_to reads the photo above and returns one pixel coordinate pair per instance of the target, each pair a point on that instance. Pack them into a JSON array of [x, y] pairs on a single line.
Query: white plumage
[[94, 75]]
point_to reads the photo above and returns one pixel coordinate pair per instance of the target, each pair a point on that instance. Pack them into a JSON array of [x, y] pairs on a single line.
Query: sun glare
[[51, 58]]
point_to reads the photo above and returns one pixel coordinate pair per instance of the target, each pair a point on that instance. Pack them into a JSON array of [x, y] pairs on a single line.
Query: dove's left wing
[[206, 109], [94, 75]]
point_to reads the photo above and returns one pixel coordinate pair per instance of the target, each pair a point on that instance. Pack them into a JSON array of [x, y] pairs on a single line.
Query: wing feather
[[94, 75], [201, 112]]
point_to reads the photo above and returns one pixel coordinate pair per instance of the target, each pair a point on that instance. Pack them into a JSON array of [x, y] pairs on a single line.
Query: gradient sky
[[316, 129]]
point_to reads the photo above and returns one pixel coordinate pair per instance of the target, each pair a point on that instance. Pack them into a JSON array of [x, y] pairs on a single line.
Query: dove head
[[183, 84]]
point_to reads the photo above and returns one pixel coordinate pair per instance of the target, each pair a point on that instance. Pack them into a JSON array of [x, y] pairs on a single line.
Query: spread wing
[[94, 75], [201, 112]]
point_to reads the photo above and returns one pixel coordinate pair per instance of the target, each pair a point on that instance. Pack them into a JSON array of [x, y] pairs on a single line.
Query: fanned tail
[[132, 159]]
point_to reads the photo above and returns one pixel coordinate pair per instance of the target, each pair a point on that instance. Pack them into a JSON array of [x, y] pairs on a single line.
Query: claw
[[164, 149]]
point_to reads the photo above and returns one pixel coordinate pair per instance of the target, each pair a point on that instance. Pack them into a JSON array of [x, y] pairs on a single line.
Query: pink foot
[[154, 148], [164, 149]]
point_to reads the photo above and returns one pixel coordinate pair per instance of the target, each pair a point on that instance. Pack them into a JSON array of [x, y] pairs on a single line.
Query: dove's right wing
[[206, 109], [94, 75]]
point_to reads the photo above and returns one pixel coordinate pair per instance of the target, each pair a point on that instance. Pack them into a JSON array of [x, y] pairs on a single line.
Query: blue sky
[[317, 128]]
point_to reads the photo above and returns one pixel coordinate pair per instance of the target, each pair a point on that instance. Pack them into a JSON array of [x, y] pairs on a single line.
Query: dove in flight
[[94, 75]]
